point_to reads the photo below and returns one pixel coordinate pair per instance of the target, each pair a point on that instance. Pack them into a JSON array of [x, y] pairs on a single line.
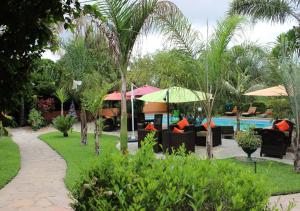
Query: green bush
[[247, 139], [63, 124], [260, 106], [35, 119], [178, 182]]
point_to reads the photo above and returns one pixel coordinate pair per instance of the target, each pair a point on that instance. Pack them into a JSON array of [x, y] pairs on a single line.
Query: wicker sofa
[[288, 134], [201, 134], [158, 138], [172, 141]]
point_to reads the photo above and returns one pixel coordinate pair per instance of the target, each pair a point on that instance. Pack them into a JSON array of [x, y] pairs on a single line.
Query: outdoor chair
[[288, 134], [251, 111], [227, 131], [232, 113], [201, 136], [158, 121], [273, 143], [142, 133], [172, 141], [108, 125]]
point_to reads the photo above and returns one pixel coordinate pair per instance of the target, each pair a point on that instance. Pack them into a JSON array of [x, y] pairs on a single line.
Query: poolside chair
[[172, 141], [232, 113], [274, 143], [142, 133], [267, 113], [288, 134], [201, 135], [158, 118], [251, 111]]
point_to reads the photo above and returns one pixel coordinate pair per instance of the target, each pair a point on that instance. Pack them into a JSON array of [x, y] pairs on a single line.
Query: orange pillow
[[176, 130], [283, 126], [150, 127], [181, 124], [212, 124]]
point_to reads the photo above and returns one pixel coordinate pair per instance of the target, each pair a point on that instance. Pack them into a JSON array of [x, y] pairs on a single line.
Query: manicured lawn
[[78, 157], [279, 177], [9, 160]]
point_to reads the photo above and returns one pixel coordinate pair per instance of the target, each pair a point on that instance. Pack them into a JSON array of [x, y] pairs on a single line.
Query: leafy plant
[[247, 139], [46, 105], [35, 119], [63, 124], [63, 96], [143, 182]]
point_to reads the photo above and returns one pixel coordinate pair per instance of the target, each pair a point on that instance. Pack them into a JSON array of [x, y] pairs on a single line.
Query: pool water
[[221, 121]]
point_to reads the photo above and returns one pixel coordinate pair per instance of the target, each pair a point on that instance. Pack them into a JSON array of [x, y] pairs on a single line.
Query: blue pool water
[[219, 121]]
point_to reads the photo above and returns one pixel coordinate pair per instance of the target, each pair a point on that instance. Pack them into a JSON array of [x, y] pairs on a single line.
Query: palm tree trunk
[[61, 109], [238, 121], [97, 148], [22, 112], [297, 145], [209, 139], [123, 131], [83, 124]]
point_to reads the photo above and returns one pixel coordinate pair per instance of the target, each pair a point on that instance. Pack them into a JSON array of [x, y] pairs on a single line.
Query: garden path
[[39, 184]]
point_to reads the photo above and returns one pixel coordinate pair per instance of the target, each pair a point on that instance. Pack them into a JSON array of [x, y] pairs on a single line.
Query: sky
[[199, 12]]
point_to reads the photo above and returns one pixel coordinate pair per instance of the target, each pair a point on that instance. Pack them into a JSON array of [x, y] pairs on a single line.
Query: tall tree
[[274, 10], [123, 22], [210, 60]]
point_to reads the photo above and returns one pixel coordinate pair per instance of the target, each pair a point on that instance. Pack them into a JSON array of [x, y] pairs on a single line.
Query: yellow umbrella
[[274, 91]]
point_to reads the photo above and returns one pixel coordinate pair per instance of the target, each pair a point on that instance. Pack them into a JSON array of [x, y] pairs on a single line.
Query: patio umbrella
[[115, 96], [275, 91], [142, 91]]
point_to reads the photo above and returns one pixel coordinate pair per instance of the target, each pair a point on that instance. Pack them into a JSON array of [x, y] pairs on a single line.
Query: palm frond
[[274, 10]]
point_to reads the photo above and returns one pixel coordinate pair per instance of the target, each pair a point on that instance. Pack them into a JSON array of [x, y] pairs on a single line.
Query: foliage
[[247, 139], [35, 119], [142, 182], [78, 158], [63, 124], [62, 95], [9, 160], [26, 30], [46, 105]]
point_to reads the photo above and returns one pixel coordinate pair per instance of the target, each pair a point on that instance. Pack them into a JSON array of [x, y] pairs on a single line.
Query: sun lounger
[[231, 113], [251, 111]]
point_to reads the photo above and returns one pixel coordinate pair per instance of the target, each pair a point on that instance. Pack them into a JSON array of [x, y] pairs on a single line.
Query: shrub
[[46, 105], [143, 182], [35, 119], [247, 139], [260, 106], [63, 124]]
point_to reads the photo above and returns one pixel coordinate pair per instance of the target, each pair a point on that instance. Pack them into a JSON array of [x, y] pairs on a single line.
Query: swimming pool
[[222, 121]]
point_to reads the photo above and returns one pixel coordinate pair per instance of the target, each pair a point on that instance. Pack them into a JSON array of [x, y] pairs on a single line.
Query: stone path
[[39, 185]]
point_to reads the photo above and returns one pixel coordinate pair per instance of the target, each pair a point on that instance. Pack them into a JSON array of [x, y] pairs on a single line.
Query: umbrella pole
[[132, 114], [168, 122]]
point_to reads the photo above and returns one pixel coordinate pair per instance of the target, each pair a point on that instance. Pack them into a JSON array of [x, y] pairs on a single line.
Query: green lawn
[[78, 157], [9, 160], [278, 176]]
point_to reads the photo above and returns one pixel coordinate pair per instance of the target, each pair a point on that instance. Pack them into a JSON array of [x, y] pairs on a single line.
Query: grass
[[79, 158], [9, 160], [279, 177]]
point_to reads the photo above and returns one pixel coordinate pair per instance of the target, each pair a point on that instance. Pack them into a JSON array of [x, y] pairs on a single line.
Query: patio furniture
[[109, 125], [288, 134], [142, 133], [227, 131], [232, 113], [274, 143], [158, 121], [267, 113], [172, 141], [251, 111], [201, 136]]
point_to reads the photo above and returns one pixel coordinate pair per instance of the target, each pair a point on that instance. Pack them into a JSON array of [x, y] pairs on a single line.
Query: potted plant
[[248, 141]]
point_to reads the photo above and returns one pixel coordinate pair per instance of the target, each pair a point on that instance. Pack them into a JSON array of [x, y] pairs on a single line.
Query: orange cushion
[[283, 126], [176, 130], [150, 127], [181, 124], [212, 124]]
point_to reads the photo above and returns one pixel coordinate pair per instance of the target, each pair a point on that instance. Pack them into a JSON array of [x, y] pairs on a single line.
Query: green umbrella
[[176, 95]]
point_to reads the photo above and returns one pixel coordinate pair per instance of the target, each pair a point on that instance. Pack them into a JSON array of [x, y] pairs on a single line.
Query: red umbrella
[[115, 96], [142, 91]]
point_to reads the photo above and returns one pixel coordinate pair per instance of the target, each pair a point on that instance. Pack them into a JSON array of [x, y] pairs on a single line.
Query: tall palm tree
[[122, 22], [209, 57], [274, 10]]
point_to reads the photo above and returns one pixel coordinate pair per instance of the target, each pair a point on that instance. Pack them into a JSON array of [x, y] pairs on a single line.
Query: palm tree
[[122, 22], [63, 96], [274, 10], [210, 60]]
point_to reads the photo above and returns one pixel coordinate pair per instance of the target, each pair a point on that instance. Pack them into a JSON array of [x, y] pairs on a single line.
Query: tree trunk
[[61, 109], [83, 124], [22, 113], [123, 131], [297, 145], [238, 121], [97, 148], [209, 139]]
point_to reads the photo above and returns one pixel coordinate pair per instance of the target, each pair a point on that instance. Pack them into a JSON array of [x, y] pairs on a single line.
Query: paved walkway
[[39, 185]]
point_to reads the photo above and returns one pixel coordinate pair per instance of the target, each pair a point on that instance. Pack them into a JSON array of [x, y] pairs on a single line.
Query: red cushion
[[283, 126], [176, 130], [181, 124], [150, 127], [212, 124]]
